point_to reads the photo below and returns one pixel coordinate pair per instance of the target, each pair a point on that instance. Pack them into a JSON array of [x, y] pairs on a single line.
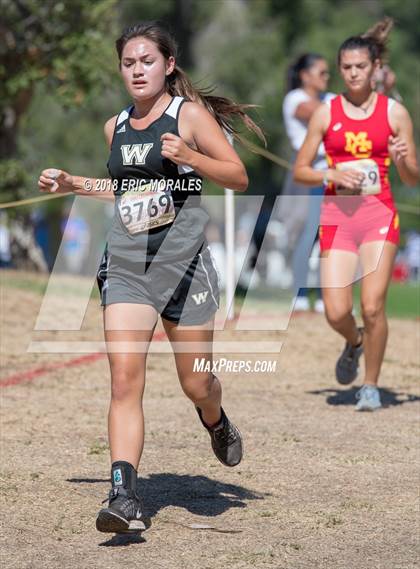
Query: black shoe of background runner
[[226, 440], [347, 367]]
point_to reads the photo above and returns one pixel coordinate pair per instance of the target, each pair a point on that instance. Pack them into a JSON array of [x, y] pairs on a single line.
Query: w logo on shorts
[[200, 297]]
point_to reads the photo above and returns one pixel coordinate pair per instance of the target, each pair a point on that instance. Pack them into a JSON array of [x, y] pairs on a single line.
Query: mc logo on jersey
[[358, 144], [135, 154]]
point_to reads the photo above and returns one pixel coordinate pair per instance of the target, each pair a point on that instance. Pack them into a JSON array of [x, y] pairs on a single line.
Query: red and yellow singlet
[[361, 144]]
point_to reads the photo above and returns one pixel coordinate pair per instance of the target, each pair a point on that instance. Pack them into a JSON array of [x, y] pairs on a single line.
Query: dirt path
[[321, 487]]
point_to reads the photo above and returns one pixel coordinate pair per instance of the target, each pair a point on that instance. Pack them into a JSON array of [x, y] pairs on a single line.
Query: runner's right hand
[[347, 181], [52, 180]]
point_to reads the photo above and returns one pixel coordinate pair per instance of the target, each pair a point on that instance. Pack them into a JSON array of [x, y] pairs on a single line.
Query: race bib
[[141, 211], [371, 184]]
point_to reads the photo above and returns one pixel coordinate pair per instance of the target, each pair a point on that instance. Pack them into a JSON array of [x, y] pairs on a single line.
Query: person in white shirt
[[306, 90], [5, 246]]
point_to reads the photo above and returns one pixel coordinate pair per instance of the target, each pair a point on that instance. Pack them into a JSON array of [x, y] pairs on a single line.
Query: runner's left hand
[[175, 149], [397, 148]]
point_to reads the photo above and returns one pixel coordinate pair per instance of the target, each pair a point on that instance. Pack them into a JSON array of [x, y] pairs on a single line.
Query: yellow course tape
[[34, 200], [407, 208], [267, 154]]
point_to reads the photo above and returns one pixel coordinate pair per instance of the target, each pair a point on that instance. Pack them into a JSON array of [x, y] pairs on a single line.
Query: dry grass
[[321, 487]]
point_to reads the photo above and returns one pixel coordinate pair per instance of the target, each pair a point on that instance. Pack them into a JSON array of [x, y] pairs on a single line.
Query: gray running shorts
[[185, 292]]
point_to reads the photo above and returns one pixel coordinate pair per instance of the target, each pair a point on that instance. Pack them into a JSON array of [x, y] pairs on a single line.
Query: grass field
[[403, 298]]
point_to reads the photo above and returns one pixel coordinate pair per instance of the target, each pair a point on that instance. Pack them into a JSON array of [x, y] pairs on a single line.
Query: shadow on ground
[[199, 495], [389, 397], [121, 540]]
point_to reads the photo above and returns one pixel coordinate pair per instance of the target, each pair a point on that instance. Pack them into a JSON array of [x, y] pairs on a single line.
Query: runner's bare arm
[[303, 171], [214, 158], [402, 147], [60, 181], [305, 110]]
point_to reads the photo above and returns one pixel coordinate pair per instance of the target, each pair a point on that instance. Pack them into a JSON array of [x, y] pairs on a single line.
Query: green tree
[[64, 46], [64, 68]]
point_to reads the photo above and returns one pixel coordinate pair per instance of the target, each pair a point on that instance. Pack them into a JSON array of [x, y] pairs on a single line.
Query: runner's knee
[[336, 314], [371, 310], [126, 385], [198, 387]]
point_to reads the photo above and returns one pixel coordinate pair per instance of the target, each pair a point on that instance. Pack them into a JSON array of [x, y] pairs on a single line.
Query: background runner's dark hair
[[303, 63], [223, 109], [374, 40]]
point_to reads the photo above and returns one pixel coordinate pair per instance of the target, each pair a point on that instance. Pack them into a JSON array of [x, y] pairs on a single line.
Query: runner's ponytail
[[375, 40]]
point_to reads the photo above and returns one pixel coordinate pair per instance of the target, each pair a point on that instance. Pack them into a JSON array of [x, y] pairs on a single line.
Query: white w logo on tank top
[[135, 153]]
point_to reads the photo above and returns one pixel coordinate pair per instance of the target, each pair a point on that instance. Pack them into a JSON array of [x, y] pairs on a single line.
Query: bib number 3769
[[141, 212]]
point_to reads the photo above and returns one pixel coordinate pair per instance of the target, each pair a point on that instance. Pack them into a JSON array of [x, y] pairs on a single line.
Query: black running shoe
[[123, 514], [226, 440], [347, 367]]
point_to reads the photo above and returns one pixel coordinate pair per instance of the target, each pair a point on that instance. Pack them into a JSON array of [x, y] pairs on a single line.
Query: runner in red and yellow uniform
[[362, 131], [362, 145]]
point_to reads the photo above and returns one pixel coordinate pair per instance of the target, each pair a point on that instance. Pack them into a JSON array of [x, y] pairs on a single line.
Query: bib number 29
[[371, 184]]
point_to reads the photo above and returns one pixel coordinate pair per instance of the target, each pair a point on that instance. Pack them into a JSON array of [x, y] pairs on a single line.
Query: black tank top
[[135, 161]]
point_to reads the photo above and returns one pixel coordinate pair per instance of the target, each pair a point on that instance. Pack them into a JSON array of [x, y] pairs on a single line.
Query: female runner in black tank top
[[148, 67]]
